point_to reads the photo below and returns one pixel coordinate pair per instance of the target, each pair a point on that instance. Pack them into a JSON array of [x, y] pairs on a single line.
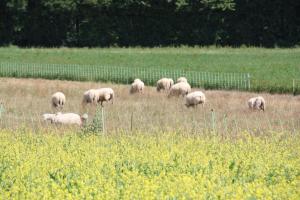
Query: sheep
[[58, 100], [89, 96], [104, 94], [94, 96], [182, 79], [137, 86], [180, 89], [65, 118], [258, 103], [49, 117], [164, 84], [195, 98]]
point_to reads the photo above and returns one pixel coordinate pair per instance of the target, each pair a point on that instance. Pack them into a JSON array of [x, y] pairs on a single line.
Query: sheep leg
[[111, 99]]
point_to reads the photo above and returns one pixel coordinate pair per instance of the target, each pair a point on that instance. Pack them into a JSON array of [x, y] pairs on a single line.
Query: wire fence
[[150, 75], [296, 86], [211, 122], [125, 75]]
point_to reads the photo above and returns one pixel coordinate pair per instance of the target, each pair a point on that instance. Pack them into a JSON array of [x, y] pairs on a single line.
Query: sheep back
[[182, 79], [164, 84], [104, 94], [180, 89], [89, 96], [195, 98], [258, 103], [58, 99], [137, 86]]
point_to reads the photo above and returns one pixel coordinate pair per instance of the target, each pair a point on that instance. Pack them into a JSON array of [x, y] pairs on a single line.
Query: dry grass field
[[25, 100]]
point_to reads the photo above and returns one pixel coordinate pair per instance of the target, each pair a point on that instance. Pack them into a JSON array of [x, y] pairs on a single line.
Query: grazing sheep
[[58, 100], [49, 117], [180, 89], [195, 98], [104, 94], [257, 103], [137, 86], [65, 118], [89, 97], [164, 84], [182, 79]]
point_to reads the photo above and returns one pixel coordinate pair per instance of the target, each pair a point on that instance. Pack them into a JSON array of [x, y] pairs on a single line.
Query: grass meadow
[[25, 100], [271, 70]]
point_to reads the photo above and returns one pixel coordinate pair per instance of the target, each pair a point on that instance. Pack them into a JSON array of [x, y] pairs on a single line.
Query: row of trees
[[149, 22]]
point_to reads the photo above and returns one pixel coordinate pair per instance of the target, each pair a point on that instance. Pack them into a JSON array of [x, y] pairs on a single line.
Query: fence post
[[225, 123], [234, 80], [131, 121], [238, 80], [294, 89], [102, 117], [212, 120], [249, 86]]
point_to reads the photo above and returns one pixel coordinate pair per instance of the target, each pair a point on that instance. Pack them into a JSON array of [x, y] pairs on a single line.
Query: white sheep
[[180, 89], [181, 79], [195, 98], [49, 117], [65, 118], [257, 103], [137, 86], [58, 100], [104, 94], [164, 84], [89, 97]]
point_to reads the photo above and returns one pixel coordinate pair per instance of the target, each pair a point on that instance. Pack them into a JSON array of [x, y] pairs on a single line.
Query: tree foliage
[[149, 22]]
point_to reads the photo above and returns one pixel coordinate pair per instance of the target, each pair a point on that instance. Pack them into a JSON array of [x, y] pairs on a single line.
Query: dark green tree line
[[149, 22]]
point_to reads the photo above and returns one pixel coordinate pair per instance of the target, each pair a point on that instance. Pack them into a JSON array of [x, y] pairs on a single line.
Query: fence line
[[125, 75], [213, 121], [296, 86]]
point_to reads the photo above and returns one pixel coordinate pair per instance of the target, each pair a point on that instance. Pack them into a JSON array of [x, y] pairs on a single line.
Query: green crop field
[[148, 166], [271, 70]]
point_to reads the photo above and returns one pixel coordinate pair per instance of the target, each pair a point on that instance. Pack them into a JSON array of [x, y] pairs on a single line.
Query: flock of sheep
[[96, 96]]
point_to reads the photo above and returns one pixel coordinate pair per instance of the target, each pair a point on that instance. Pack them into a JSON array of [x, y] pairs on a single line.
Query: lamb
[[58, 100], [104, 94], [258, 103], [164, 84], [195, 98], [181, 79], [180, 89], [65, 118], [137, 86]]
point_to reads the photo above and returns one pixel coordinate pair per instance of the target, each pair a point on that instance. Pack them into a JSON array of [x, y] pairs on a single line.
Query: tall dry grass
[[25, 100]]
